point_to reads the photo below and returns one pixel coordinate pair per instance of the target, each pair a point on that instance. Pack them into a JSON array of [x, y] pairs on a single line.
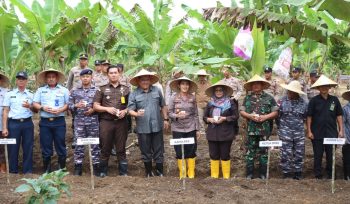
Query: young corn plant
[[47, 189]]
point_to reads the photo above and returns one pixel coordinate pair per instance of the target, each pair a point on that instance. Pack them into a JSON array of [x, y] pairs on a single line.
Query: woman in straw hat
[[146, 103], [324, 120], [185, 122], [4, 83], [202, 98], [52, 101], [259, 108], [176, 73], [220, 114], [346, 147], [292, 115]]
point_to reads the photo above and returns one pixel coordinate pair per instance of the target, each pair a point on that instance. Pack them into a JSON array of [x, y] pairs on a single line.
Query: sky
[[177, 12]]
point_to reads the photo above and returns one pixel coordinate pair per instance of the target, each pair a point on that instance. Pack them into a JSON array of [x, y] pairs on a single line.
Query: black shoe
[[148, 168], [159, 169], [96, 168], [287, 175], [103, 168], [123, 168], [114, 152], [61, 162], [262, 171], [318, 177], [78, 169], [47, 165], [298, 176], [249, 172]]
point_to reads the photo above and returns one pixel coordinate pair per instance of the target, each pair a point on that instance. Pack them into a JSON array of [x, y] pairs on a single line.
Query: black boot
[[298, 175], [96, 169], [78, 169], [47, 165], [287, 175], [61, 162], [159, 169], [123, 168], [249, 172], [148, 168], [103, 168], [262, 171]]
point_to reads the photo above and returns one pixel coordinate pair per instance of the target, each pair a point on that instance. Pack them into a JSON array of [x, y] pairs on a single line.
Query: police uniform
[[235, 84], [113, 131], [309, 91], [52, 126], [292, 114], [85, 126], [74, 75], [20, 127]]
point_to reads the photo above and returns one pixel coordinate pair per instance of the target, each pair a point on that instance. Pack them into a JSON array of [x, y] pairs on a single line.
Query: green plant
[[48, 188]]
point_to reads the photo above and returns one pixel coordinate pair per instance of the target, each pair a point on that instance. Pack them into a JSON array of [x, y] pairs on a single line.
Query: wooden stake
[[268, 165], [91, 169], [7, 165], [333, 168], [183, 167]]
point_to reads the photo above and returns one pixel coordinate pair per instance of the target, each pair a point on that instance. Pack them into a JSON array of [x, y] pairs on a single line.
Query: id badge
[[331, 108], [122, 99]]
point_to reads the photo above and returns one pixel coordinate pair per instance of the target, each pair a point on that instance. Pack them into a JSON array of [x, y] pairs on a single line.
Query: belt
[[52, 118], [21, 119], [112, 119]]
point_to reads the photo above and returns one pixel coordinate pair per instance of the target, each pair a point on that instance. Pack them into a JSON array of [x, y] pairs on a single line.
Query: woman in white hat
[[324, 120], [346, 147], [185, 122], [221, 114], [292, 115], [259, 108]]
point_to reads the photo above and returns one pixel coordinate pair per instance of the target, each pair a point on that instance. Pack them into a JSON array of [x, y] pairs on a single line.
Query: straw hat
[[323, 81], [143, 72], [42, 76], [346, 95], [293, 86], [174, 85], [4, 80], [201, 72], [210, 90], [256, 78]]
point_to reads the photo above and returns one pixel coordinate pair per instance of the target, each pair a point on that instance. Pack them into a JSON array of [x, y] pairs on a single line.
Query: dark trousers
[[113, 132], [53, 132], [346, 159], [319, 148], [23, 132], [190, 149], [220, 150], [152, 146]]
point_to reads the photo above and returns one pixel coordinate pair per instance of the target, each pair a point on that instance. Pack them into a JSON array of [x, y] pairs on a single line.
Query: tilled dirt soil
[[203, 189]]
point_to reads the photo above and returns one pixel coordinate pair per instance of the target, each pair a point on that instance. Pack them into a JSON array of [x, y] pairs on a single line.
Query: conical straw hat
[[324, 81], [210, 90], [174, 85], [346, 95], [143, 72], [293, 86], [256, 78], [42, 76], [5, 81], [201, 72]]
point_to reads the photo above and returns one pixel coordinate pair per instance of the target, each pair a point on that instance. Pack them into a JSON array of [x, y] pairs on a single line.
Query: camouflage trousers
[[86, 131], [292, 153], [253, 150]]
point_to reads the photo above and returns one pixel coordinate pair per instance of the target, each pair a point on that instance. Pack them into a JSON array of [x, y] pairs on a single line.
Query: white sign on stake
[[182, 141], [277, 143], [335, 141], [87, 141], [8, 141]]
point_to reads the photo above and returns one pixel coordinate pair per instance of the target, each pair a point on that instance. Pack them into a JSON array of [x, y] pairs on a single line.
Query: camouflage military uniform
[[74, 78], [261, 104], [125, 81], [292, 114], [99, 79], [235, 84], [84, 126], [311, 92], [273, 89]]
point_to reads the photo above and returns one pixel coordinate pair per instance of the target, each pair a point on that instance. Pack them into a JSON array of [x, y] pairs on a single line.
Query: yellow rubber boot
[[191, 165], [182, 173], [226, 169], [214, 168]]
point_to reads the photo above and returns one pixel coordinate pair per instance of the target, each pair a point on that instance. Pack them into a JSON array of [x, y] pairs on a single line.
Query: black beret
[[98, 62], [267, 69], [86, 71]]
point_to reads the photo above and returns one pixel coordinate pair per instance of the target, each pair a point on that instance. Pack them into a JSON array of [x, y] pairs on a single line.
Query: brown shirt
[[202, 98], [110, 96], [189, 105]]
